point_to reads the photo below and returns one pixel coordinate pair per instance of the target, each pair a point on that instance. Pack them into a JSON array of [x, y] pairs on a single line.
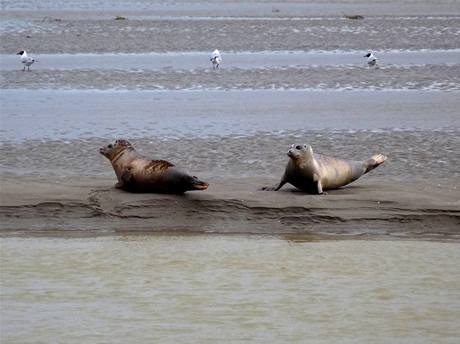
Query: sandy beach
[[364, 211]]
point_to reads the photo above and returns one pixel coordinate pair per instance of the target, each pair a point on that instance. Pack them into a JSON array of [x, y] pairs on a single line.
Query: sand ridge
[[362, 209]]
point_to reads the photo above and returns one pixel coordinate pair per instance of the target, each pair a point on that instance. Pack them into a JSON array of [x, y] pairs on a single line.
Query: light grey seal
[[315, 173]]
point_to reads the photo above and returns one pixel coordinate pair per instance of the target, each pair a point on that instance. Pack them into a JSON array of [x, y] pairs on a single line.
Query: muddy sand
[[231, 35], [363, 210], [67, 188], [55, 182]]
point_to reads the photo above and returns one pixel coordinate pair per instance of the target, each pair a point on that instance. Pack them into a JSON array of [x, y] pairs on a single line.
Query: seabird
[[371, 59], [26, 60], [216, 59]]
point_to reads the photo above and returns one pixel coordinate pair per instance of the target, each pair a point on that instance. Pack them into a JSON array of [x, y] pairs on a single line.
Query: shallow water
[[241, 60], [67, 115], [229, 134], [208, 289]]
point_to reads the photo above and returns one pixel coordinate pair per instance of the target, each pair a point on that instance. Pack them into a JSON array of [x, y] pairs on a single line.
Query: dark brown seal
[[314, 173], [136, 173]]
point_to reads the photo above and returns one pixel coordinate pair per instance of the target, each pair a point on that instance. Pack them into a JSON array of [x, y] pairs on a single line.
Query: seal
[[136, 173], [315, 173]]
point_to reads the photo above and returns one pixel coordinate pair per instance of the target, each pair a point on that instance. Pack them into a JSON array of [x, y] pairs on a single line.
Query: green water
[[214, 289]]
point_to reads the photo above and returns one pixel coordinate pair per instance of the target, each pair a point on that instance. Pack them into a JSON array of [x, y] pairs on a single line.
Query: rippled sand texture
[[232, 156], [391, 77], [231, 34]]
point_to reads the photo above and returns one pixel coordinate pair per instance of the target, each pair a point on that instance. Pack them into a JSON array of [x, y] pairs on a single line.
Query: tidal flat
[[375, 261]]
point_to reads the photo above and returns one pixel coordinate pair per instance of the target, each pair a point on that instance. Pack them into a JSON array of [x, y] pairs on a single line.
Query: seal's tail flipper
[[373, 162], [198, 184]]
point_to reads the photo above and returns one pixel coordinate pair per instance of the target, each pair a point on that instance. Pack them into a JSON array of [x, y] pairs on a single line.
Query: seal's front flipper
[[319, 187], [274, 188], [126, 178]]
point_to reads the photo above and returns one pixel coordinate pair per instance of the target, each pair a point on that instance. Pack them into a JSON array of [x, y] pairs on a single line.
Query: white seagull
[[216, 59], [371, 59], [26, 60]]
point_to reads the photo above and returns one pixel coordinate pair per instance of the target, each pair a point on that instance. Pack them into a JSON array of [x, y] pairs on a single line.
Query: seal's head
[[112, 150], [300, 151]]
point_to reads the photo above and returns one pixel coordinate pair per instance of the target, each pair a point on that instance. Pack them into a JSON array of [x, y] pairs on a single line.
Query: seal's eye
[[298, 147], [110, 146]]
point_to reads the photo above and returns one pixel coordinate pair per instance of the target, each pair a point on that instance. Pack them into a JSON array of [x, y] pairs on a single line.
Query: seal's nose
[[101, 150]]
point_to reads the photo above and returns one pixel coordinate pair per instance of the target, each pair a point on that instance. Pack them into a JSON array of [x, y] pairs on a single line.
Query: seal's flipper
[[319, 187], [280, 185], [274, 188], [126, 178], [373, 162]]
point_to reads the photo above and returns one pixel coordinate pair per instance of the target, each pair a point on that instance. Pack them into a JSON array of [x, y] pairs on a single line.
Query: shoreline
[[361, 210]]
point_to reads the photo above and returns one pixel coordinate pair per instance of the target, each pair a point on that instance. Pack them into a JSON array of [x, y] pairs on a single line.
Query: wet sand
[[366, 210], [66, 188], [252, 8], [54, 182], [141, 36], [444, 78]]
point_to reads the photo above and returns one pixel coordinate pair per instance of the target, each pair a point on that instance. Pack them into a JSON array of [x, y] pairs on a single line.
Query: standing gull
[[371, 59], [216, 59], [26, 60]]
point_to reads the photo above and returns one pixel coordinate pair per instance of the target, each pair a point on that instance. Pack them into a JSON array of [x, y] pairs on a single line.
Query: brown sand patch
[[234, 207]]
